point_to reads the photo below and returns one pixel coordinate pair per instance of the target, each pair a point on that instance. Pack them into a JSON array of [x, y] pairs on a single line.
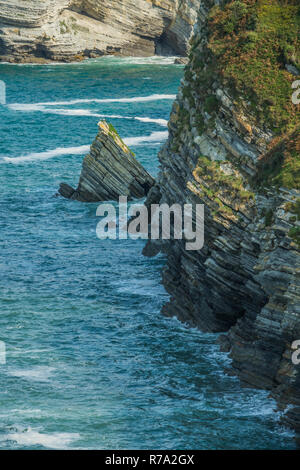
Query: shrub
[[211, 104]]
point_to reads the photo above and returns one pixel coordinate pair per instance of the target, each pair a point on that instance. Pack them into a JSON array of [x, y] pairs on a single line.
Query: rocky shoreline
[[72, 30], [246, 279], [236, 150]]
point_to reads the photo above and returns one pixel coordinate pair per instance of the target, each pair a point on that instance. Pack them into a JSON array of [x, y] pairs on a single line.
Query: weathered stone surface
[[110, 170], [246, 279], [181, 61], [74, 29]]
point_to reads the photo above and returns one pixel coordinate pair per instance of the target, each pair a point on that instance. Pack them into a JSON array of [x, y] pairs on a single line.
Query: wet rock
[[66, 191]]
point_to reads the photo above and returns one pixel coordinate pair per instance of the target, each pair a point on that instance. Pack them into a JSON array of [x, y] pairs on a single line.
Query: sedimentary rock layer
[[73, 29], [110, 170], [236, 150]]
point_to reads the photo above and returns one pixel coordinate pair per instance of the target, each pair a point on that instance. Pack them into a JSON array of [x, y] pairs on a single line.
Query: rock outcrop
[[234, 146], [110, 170], [65, 30]]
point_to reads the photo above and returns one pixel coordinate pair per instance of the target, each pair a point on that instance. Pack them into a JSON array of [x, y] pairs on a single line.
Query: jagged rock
[[246, 279], [65, 30], [66, 191], [110, 170]]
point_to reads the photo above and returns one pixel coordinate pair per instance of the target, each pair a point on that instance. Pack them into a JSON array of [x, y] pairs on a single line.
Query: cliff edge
[[234, 146], [110, 170]]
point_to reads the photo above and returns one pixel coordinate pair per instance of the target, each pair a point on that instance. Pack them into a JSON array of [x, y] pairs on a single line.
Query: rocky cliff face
[[234, 146], [110, 170], [73, 29]]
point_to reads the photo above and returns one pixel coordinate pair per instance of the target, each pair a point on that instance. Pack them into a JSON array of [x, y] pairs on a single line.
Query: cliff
[[65, 30], [110, 170], [234, 146]]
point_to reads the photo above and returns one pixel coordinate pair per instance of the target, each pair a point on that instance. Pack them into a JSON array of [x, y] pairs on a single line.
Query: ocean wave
[[38, 107], [154, 138], [153, 60], [134, 99], [30, 437], [82, 149], [161, 122]]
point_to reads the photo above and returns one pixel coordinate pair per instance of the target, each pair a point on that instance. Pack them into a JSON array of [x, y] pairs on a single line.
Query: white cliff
[[74, 29]]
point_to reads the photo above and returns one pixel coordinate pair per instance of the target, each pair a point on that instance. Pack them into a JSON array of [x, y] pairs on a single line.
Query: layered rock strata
[[236, 150], [65, 30], [110, 170]]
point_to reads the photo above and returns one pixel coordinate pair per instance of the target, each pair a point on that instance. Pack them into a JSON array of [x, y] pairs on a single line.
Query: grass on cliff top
[[253, 40]]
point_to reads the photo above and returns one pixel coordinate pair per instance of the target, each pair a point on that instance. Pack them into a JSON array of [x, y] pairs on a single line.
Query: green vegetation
[[200, 124], [119, 141], [187, 94], [294, 208], [252, 41], [210, 172], [269, 217], [113, 130], [294, 233], [211, 104], [280, 166], [63, 27], [73, 26]]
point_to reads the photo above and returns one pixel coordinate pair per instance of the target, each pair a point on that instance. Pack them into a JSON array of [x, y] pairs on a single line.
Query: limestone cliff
[[74, 29], [110, 170], [234, 146]]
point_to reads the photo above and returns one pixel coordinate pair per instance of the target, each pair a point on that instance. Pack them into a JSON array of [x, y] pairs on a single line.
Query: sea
[[88, 361]]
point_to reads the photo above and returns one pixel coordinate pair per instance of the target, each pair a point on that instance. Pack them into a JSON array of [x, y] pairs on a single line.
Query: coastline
[[147, 59]]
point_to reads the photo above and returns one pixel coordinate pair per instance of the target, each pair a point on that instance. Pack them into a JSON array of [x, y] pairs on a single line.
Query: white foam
[[82, 149], [86, 112], [153, 60], [30, 437], [154, 137], [161, 122], [70, 112], [27, 108], [38, 107], [39, 373], [136, 99]]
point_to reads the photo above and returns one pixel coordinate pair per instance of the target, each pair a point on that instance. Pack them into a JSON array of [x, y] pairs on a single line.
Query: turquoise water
[[91, 363]]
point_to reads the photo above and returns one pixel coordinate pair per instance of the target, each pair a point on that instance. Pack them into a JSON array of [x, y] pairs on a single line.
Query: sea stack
[[110, 170]]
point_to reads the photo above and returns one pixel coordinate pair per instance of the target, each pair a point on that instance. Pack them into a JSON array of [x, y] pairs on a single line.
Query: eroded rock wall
[[73, 29], [246, 279]]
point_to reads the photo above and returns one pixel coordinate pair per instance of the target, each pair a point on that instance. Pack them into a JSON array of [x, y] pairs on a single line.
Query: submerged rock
[[110, 170]]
